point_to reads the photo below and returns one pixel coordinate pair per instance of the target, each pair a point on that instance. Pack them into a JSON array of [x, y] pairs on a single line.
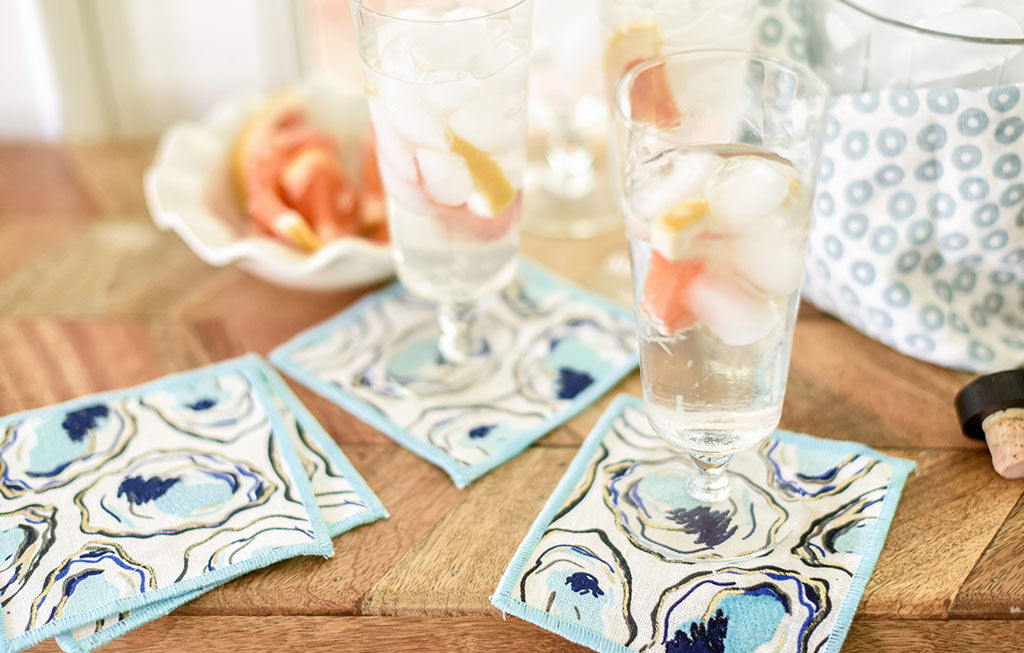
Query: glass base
[[659, 514], [418, 364]]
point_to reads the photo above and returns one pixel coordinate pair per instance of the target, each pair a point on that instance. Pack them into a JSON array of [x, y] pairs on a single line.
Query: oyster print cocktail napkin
[[621, 557], [120, 506], [560, 348]]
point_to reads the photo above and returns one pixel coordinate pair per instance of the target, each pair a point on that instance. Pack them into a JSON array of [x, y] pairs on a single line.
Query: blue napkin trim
[[460, 472], [248, 366], [504, 601], [373, 511]]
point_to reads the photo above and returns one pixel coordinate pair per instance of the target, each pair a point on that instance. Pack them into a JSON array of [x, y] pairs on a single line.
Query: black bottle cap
[[987, 395]]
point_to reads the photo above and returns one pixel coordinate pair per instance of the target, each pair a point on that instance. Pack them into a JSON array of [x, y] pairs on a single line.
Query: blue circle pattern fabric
[[918, 238], [918, 234]]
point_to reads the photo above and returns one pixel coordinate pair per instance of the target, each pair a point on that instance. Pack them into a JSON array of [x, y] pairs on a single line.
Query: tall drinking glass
[[446, 83], [718, 156]]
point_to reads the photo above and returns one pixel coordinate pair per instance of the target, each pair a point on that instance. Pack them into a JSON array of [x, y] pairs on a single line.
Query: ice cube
[[421, 13], [665, 185], [510, 81], [673, 232], [452, 45], [513, 164], [842, 34], [498, 57], [901, 10], [446, 177], [450, 96], [936, 60], [390, 148], [489, 122], [406, 193], [771, 257], [408, 111], [728, 312], [929, 8], [395, 58], [745, 189], [478, 204], [974, 21], [718, 24], [1012, 72]]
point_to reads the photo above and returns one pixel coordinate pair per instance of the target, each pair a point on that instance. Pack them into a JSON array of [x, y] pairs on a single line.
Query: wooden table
[[93, 297]]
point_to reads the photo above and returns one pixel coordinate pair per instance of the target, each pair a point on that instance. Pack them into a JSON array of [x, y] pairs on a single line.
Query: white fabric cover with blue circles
[[918, 236]]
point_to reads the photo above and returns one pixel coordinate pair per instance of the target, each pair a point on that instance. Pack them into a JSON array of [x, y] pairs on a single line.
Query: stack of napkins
[[119, 507]]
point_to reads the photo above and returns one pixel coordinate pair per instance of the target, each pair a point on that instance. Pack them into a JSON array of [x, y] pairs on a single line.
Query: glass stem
[[458, 336], [709, 484]]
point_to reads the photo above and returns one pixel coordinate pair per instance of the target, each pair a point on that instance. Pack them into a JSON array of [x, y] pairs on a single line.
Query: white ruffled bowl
[[188, 189]]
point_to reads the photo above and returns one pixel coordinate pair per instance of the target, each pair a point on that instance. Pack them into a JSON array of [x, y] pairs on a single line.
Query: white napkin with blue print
[[561, 348], [623, 559]]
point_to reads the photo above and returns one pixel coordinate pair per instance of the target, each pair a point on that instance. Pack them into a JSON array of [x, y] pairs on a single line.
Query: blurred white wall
[[84, 69], [17, 97]]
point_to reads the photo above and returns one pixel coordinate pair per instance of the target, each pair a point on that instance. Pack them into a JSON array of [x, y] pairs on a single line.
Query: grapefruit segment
[[289, 176], [275, 219], [462, 222], [314, 185], [259, 130], [651, 98], [663, 295]]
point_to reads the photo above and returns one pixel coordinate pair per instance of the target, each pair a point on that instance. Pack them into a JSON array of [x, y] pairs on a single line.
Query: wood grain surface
[[93, 297]]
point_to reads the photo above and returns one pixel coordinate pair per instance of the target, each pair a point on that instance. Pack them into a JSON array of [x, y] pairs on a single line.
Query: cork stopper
[[1004, 432], [992, 408]]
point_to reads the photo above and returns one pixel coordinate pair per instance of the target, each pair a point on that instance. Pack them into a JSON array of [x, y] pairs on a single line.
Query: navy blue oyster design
[[653, 508], [49, 451], [566, 359], [164, 493], [473, 433], [220, 409], [738, 609], [799, 477], [582, 578]]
